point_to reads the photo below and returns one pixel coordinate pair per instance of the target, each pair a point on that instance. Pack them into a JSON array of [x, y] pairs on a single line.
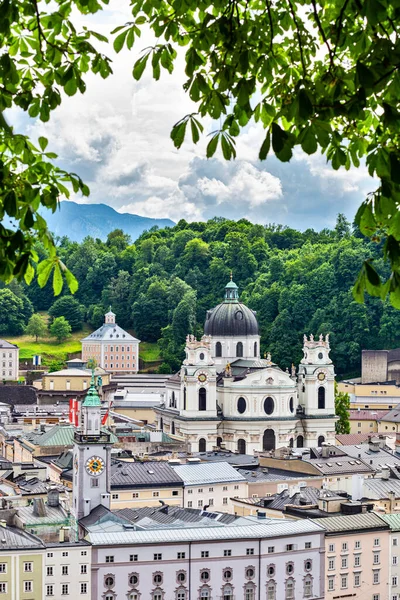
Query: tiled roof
[[356, 522], [366, 414], [250, 529], [110, 332], [351, 439], [208, 473], [128, 474], [392, 520]]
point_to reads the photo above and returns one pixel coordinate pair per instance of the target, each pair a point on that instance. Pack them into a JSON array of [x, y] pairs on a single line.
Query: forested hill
[[97, 220], [161, 286]]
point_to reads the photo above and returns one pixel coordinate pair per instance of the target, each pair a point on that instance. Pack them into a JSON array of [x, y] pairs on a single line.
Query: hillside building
[[226, 395], [9, 361], [113, 349]]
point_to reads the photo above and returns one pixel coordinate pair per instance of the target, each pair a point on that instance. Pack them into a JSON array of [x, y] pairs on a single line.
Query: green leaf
[[72, 282], [306, 109], [212, 145], [57, 280], [265, 147], [120, 40], [359, 287], [43, 143], [43, 271], [195, 131], [178, 132], [372, 280], [365, 219], [29, 274], [308, 141], [71, 86], [140, 66]]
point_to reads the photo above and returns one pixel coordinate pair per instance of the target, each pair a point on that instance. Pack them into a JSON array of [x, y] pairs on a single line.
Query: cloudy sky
[[116, 136]]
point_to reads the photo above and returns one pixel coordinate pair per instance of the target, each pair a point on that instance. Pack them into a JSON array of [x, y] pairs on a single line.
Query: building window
[[394, 560], [218, 349], [249, 592], [376, 542], [175, 492], [227, 574], [83, 588], [376, 578], [321, 397], [109, 581], [27, 567], [66, 554], [64, 570], [190, 504], [49, 555], [344, 582], [394, 541], [205, 554], [250, 573], [357, 545], [181, 594], [375, 597], [135, 494], [331, 564], [3, 567], [133, 579], [289, 589], [28, 586], [331, 583], [94, 482], [249, 551], [181, 555], [157, 556], [239, 349], [289, 568], [307, 545], [344, 562], [83, 553], [202, 444], [394, 580], [157, 579], [181, 576], [50, 571], [271, 549], [109, 559], [225, 488], [156, 494], [83, 569], [204, 592], [202, 401], [116, 496], [133, 557], [199, 503], [224, 500], [49, 589], [307, 592], [344, 547], [205, 575], [227, 592], [331, 548], [357, 579], [377, 558], [227, 552], [357, 560], [271, 570], [271, 591]]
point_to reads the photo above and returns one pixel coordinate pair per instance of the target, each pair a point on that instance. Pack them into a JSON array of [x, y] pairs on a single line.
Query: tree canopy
[[323, 76]]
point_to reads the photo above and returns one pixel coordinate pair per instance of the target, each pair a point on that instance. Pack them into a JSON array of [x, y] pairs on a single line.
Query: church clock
[[95, 465], [321, 376], [202, 377]]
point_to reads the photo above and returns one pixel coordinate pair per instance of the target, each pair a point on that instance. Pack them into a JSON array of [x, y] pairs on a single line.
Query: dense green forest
[[161, 286]]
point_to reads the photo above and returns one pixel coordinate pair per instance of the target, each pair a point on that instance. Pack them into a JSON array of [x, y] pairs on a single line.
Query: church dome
[[231, 317]]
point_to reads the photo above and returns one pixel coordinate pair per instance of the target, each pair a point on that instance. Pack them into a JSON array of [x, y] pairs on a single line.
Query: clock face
[[321, 376], [95, 465], [202, 377]]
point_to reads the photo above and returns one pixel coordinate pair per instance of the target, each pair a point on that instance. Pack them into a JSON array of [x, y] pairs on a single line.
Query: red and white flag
[[74, 412]]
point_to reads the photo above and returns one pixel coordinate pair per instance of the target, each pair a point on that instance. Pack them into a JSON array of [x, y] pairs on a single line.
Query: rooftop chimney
[[53, 497], [39, 509]]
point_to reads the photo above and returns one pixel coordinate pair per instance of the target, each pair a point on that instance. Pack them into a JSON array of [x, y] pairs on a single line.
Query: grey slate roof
[[375, 459], [53, 516], [110, 332], [5, 344], [270, 474], [230, 457], [358, 522], [379, 489], [18, 394], [222, 320], [146, 474], [336, 465], [208, 473], [393, 415], [173, 515], [12, 538]]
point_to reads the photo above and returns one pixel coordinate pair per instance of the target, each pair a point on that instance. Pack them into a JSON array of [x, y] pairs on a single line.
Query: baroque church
[[225, 395]]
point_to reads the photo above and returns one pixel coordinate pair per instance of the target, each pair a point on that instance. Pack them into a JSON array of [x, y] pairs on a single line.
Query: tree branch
[[298, 38], [322, 33], [271, 47]]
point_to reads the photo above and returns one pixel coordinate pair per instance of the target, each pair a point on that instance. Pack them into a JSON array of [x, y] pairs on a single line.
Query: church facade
[[225, 395]]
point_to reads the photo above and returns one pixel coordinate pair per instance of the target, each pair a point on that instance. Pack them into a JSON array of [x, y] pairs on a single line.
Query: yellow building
[[73, 379], [371, 395], [365, 420], [21, 565], [390, 421]]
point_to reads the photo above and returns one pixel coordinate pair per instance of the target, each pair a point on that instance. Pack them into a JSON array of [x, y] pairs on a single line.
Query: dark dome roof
[[232, 319]]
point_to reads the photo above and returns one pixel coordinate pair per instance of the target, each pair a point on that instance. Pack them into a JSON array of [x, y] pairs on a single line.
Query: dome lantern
[[231, 291]]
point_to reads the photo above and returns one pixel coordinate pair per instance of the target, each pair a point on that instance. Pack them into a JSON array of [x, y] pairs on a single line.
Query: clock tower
[[91, 458]]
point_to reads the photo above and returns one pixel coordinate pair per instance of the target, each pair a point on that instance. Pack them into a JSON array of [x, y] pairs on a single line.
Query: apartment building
[[394, 555], [9, 361], [357, 551]]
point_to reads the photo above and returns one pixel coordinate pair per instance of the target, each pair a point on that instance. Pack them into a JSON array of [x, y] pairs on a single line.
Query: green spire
[[231, 291], [92, 397]]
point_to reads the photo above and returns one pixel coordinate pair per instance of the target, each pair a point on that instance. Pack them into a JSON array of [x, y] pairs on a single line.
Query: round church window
[[239, 315], [241, 405], [201, 356], [320, 356], [291, 405], [268, 406]]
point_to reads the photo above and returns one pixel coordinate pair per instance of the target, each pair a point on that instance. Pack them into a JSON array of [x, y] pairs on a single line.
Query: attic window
[[319, 465], [150, 472], [339, 464], [328, 464], [351, 462], [357, 462]]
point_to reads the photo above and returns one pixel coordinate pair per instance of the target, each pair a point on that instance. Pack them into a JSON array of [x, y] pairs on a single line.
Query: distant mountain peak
[[77, 221]]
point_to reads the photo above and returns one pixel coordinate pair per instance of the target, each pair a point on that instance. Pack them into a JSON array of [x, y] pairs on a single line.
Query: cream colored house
[[371, 395], [72, 380], [9, 361]]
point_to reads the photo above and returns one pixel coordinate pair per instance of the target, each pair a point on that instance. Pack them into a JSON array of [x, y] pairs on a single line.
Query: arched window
[[202, 445], [249, 592], [202, 399], [255, 349], [291, 405], [239, 349], [162, 424], [321, 397], [321, 440], [180, 594], [173, 428], [269, 439], [172, 402], [300, 441], [289, 589], [228, 592], [271, 590], [219, 442], [184, 398], [204, 592], [242, 446], [218, 349], [307, 592], [291, 443]]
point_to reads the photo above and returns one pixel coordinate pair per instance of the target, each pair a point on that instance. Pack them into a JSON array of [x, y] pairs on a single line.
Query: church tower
[[91, 458], [198, 379], [316, 386]]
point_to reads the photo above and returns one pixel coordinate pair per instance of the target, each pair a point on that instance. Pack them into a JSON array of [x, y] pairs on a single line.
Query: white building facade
[[9, 361], [67, 571], [226, 395], [259, 559]]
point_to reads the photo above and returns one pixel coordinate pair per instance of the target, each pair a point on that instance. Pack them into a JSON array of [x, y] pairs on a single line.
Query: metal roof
[[336, 465], [53, 516], [5, 344], [233, 458], [59, 435], [379, 489], [374, 458], [351, 439], [356, 522], [269, 474], [393, 415], [231, 319], [393, 521], [15, 539], [207, 473], [253, 529], [182, 517], [110, 332], [136, 474]]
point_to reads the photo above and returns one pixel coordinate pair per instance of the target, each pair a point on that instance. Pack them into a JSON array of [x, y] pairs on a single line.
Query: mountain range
[[77, 221]]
